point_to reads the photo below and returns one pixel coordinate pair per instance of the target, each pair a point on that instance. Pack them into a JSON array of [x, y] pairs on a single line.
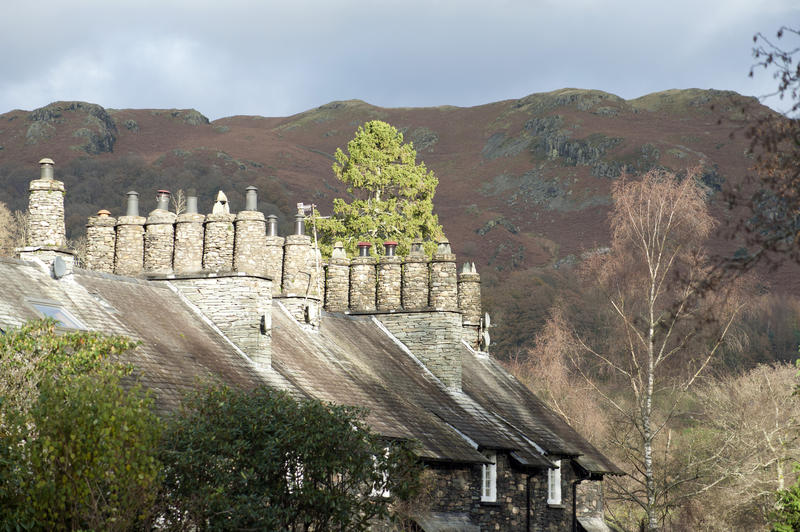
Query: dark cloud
[[226, 58]]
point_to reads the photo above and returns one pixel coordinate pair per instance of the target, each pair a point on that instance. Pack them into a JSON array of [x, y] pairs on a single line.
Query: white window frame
[[489, 478], [554, 484]]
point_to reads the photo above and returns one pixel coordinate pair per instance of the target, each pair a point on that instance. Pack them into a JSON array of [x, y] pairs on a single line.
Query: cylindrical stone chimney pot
[[251, 198], [389, 279], [100, 240], [46, 167], [273, 255], [299, 224], [132, 204], [362, 280], [415, 278], [46, 209], [162, 200], [218, 242], [443, 280], [189, 235], [469, 302], [191, 204], [249, 254], [272, 225], [337, 280], [363, 249], [159, 236], [299, 266], [129, 250]]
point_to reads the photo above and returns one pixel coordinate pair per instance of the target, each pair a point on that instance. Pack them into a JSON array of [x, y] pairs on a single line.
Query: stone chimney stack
[[362, 280], [100, 240], [249, 253], [469, 302], [337, 282], [389, 279], [129, 252], [188, 253], [159, 236], [46, 210], [273, 255], [444, 285], [415, 278], [299, 264], [219, 237]]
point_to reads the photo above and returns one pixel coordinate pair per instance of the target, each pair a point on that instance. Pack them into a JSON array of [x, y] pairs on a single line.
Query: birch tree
[[666, 330]]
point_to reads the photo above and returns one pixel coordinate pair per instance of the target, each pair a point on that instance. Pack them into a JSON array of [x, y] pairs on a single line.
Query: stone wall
[[434, 338], [46, 214], [218, 243], [129, 250], [159, 239], [240, 305], [188, 252], [362, 284], [100, 237], [389, 284], [249, 254], [457, 489]]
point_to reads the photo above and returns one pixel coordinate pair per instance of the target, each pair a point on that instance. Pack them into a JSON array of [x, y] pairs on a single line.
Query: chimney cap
[[364, 244], [47, 160], [162, 191], [103, 212], [390, 243]]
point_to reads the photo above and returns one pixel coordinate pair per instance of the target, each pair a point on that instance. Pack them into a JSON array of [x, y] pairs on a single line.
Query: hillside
[[524, 184]]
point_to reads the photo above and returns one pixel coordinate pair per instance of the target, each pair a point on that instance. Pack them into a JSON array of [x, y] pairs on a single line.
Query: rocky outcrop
[[98, 134]]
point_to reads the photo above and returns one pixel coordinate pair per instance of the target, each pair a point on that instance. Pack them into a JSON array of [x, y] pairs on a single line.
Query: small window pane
[[64, 318], [489, 479]]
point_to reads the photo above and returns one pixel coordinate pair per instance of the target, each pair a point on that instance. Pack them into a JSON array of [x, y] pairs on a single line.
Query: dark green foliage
[[787, 516], [259, 459], [77, 449]]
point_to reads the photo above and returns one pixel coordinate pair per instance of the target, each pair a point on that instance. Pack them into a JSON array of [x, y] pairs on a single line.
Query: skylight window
[[61, 315]]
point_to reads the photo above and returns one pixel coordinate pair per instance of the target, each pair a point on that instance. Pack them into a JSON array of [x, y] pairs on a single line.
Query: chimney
[[443, 281], [46, 235], [100, 242], [273, 255], [159, 236], [188, 252], [219, 236], [129, 251], [469, 302], [415, 278], [46, 209], [249, 252], [337, 280], [389, 279]]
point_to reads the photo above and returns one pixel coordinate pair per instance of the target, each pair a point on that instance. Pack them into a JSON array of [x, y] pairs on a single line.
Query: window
[[62, 316], [489, 479], [554, 483]]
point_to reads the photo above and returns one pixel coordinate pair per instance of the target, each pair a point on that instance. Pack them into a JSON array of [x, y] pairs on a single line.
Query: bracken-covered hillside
[[524, 184]]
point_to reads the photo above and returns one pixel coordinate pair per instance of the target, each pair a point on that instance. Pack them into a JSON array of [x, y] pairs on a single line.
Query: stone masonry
[[299, 268], [250, 243], [129, 251], [389, 283], [240, 305], [434, 337], [337, 281], [100, 237], [273, 262], [444, 285], [469, 302], [159, 239], [218, 243], [362, 284], [415, 282], [46, 213], [188, 254]]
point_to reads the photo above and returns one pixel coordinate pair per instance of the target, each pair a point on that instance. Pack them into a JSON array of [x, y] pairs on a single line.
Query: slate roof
[[348, 360]]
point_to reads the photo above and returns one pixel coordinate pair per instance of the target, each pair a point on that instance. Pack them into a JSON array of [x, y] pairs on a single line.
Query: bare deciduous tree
[[13, 230], [666, 331]]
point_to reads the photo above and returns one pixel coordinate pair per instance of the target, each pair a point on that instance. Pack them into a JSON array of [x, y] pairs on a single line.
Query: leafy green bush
[[259, 459]]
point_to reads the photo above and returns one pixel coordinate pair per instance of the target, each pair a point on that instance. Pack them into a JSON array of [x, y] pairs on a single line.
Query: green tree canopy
[[392, 195], [77, 449], [260, 460]]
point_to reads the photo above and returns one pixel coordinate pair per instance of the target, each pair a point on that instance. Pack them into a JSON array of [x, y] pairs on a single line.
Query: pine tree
[[392, 195]]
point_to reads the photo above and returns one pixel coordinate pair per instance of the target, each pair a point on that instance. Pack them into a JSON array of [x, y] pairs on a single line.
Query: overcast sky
[[228, 57]]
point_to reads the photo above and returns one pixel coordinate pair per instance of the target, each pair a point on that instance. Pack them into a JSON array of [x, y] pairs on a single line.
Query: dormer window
[[554, 484], [489, 478], [49, 309]]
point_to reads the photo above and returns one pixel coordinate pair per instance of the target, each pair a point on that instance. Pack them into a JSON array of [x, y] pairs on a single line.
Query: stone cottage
[[222, 295]]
